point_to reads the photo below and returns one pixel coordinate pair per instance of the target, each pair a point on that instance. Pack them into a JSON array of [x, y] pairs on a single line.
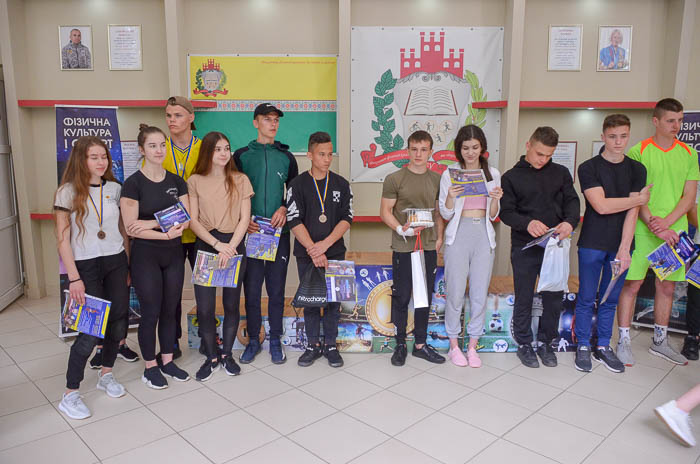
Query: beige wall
[[644, 80], [692, 99], [312, 26]]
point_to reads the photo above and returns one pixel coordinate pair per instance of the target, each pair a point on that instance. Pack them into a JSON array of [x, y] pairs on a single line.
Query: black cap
[[266, 108]]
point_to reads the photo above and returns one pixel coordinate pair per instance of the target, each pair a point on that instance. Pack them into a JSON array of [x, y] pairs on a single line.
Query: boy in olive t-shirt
[[413, 186]]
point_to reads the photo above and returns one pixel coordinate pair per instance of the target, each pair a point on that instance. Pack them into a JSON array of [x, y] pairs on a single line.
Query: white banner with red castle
[[406, 79]]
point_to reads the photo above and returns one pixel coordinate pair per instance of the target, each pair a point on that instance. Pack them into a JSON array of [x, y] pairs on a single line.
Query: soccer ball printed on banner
[[406, 79]]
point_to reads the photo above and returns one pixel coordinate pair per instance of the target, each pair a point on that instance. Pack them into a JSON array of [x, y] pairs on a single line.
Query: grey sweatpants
[[469, 256]]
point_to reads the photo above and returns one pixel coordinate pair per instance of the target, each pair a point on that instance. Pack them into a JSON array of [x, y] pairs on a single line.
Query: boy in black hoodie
[[537, 195]]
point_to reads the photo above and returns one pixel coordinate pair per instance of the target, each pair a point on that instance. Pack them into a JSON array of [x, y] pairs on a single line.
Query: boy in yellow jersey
[[182, 151], [672, 169]]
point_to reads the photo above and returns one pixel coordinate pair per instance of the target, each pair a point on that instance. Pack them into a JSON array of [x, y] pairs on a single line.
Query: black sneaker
[[171, 370], [96, 361], [546, 354], [583, 359], [607, 357], [230, 366], [127, 354], [691, 346], [527, 356], [207, 370], [333, 356], [399, 356], [251, 350], [428, 353], [311, 354], [153, 378]]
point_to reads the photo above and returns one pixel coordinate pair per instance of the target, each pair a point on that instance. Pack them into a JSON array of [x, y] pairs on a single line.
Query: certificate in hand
[[172, 216], [89, 318], [472, 181], [615, 274], [541, 241]]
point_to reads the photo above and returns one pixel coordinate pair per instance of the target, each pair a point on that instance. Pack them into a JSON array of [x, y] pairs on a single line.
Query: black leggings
[[103, 277], [157, 274], [206, 303]]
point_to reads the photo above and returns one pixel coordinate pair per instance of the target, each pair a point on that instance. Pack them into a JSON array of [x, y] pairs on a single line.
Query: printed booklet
[[208, 270], [472, 181], [340, 281], [89, 318], [665, 260], [263, 243]]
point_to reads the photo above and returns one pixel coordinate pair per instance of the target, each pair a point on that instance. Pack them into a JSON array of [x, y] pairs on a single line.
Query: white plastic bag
[[420, 286], [554, 273]]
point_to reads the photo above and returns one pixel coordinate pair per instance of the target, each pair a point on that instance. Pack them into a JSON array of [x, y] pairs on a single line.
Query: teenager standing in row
[[182, 152], [319, 212], [91, 243], [470, 241], [156, 257], [220, 211], [614, 188], [270, 166], [413, 186]]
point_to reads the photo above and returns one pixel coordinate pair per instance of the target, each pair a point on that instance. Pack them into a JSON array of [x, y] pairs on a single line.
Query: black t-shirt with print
[[304, 207], [154, 197]]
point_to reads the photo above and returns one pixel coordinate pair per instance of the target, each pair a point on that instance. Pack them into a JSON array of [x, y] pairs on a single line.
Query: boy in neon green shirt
[[672, 170]]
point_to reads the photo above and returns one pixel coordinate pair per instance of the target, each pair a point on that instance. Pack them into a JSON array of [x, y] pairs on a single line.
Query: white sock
[[624, 332], [659, 333]]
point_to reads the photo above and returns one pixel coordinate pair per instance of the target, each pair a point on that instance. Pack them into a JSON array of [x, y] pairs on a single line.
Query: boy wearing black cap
[[319, 212], [270, 166]]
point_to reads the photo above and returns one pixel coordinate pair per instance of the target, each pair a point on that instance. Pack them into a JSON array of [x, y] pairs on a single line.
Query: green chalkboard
[[295, 127]]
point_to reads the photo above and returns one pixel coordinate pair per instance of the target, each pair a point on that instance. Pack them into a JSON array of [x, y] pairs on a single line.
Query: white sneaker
[[677, 421], [624, 352], [667, 352], [72, 406], [108, 384]]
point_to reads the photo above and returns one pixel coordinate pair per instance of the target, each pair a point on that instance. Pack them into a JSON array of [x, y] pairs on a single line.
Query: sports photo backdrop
[[365, 326], [302, 86], [415, 78]]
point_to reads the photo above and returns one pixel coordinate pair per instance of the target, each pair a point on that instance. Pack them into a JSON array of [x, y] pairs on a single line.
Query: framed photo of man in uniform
[[614, 48], [75, 48]]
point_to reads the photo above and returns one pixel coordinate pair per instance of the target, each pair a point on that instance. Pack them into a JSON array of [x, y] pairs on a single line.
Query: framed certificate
[[564, 53], [125, 48], [565, 154]]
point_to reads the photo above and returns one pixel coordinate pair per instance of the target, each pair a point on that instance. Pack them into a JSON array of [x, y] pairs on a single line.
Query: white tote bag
[[420, 287], [554, 273]]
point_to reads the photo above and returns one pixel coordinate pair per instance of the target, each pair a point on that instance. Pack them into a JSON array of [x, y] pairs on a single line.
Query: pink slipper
[[473, 358], [457, 357]]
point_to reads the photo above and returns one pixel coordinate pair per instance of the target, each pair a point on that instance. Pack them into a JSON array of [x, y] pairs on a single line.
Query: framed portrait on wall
[[125, 50], [75, 48], [614, 48], [564, 49]]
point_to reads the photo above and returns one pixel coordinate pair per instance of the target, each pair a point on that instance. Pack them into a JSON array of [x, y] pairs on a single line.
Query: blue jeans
[[592, 286]]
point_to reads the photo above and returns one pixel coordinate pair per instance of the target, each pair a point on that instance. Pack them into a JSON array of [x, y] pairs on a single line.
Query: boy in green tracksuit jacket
[[270, 167]]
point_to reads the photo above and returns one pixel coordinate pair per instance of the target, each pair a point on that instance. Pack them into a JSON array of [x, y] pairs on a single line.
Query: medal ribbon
[[318, 192], [187, 157], [99, 215]]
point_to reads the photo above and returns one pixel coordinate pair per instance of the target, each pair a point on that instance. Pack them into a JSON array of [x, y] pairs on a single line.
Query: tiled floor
[[366, 412]]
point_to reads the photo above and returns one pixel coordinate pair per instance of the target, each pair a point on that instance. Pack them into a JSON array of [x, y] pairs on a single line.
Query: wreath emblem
[[385, 123]]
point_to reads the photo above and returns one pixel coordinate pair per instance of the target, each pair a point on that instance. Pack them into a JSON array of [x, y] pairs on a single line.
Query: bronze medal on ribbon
[[322, 218], [101, 235]]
